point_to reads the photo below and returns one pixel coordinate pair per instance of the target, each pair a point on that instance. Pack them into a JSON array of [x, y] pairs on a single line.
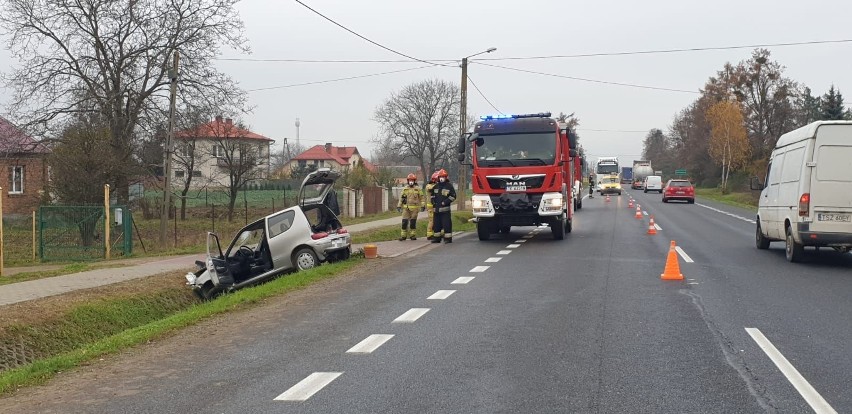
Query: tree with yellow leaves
[[729, 146]]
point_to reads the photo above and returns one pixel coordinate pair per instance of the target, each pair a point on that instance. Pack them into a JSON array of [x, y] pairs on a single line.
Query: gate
[[373, 197], [77, 232]]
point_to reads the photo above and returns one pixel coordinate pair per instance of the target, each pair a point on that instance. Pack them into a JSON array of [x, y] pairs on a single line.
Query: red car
[[679, 190]]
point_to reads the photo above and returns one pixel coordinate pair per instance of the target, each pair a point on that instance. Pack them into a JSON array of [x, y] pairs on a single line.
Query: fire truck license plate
[[516, 188]]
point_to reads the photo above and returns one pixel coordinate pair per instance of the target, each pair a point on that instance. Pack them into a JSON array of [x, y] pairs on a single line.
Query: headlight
[[556, 202], [478, 203]]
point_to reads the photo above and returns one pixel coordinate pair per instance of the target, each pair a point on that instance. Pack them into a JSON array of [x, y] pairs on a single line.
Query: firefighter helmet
[[411, 177], [442, 173], [434, 177]]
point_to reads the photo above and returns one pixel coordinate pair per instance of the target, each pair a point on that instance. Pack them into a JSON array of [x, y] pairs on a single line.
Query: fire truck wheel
[[558, 229], [483, 230], [568, 226]]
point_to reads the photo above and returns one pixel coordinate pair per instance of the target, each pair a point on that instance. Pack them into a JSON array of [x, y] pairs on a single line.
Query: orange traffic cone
[[607, 198], [638, 211], [630, 204], [672, 270], [651, 228]]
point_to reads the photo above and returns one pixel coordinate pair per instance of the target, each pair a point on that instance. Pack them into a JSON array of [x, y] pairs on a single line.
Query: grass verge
[[743, 200], [82, 336]]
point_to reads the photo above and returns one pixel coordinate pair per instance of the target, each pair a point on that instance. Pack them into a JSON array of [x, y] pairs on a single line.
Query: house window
[[16, 179], [218, 151], [178, 173], [186, 150], [302, 163], [196, 173]]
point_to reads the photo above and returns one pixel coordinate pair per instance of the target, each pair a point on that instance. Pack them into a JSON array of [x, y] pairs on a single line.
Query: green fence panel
[[77, 232]]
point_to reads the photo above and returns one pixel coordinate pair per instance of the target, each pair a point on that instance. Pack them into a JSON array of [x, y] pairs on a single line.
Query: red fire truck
[[523, 173]]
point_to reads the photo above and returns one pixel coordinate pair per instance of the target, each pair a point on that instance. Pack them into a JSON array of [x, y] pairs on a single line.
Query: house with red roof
[[208, 157], [328, 156], [25, 162]]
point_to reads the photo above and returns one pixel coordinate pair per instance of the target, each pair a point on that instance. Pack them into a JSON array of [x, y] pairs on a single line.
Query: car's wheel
[[794, 251], [665, 200], [558, 229], [646, 191], [305, 259], [207, 291], [760, 241], [691, 201]]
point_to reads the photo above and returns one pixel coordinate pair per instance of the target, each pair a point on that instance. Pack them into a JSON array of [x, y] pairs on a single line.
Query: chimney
[[218, 118], [328, 147], [229, 121]]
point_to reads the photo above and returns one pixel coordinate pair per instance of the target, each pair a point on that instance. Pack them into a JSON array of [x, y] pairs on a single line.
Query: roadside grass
[[90, 330], [461, 222], [737, 199]]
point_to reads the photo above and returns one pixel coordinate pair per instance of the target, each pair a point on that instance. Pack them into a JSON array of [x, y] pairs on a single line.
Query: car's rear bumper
[[819, 238]]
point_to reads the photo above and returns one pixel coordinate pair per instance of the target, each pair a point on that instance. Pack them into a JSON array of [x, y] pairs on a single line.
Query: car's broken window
[[280, 223]]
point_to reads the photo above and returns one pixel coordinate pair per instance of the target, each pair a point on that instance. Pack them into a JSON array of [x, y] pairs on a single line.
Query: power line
[[612, 130], [582, 55], [483, 95], [362, 37], [586, 79], [336, 80], [692, 49]]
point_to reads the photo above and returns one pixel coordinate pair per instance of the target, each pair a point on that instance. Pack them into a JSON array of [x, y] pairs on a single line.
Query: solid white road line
[[308, 386], [369, 344], [462, 280], [504, 252], [411, 315], [683, 254], [493, 259], [441, 294], [513, 246], [479, 269], [727, 214], [810, 395]]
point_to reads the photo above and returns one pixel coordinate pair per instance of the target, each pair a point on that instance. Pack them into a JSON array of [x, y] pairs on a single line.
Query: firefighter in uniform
[[443, 194], [429, 207], [411, 202], [591, 186]]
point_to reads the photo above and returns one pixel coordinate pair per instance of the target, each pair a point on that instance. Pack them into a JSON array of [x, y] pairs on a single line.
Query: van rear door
[[831, 180]]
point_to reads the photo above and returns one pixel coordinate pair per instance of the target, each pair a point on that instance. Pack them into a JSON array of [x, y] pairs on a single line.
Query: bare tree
[[729, 144], [241, 158], [188, 156], [112, 58], [422, 121]]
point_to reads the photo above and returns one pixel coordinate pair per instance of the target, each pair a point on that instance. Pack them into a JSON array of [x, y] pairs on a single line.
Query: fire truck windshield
[[515, 150]]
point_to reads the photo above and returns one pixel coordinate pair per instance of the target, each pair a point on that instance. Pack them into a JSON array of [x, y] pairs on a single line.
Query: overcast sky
[[342, 112]]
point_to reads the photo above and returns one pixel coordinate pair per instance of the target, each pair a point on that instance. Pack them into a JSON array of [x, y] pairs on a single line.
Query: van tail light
[[804, 204], [320, 235]]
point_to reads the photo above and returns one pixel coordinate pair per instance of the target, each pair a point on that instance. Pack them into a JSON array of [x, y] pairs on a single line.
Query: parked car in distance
[[296, 238], [653, 183], [806, 198], [679, 190]]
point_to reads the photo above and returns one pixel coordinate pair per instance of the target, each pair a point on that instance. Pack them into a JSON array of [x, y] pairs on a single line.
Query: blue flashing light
[[515, 116]]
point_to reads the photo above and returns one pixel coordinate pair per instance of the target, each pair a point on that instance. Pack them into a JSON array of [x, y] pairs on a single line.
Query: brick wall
[[35, 171]]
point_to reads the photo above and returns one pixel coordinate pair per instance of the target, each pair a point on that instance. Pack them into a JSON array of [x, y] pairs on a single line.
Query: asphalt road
[[521, 323]]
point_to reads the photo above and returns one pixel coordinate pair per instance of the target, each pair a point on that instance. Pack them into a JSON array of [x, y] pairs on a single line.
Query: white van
[[806, 198], [654, 183]]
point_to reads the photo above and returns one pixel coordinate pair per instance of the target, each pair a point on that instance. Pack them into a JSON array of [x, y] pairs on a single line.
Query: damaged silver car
[[293, 239]]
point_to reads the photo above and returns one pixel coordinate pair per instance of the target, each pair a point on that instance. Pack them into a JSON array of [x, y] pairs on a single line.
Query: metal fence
[[77, 232]]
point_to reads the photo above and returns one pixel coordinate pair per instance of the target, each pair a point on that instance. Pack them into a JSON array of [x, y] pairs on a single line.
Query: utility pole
[[167, 153], [462, 129]]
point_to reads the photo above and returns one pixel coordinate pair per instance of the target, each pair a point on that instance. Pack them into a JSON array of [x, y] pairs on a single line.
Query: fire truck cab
[[523, 173]]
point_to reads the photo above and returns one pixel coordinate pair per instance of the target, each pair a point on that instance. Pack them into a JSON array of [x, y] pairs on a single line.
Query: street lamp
[[463, 124]]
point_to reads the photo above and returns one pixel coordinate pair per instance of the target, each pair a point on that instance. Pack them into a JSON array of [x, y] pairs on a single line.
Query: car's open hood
[[316, 186]]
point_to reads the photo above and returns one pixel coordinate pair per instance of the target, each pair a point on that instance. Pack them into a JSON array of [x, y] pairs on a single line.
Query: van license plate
[[843, 218], [516, 188]]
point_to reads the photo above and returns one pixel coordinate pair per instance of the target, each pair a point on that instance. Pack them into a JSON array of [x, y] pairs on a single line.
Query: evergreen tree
[[832, 106]]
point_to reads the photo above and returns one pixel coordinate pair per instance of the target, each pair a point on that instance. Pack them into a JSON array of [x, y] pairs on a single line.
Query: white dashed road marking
[[683, 254], [369, 344], [521, 241], [504, 252], [411, 315], [810, 395], [441, 294], [645, 213], [493, 259], [462, 280], [657, 226], [513, 246], [479, 269], [308, 386]]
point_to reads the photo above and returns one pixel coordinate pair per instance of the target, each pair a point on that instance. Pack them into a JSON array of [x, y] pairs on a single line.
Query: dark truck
[[626, 175]]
